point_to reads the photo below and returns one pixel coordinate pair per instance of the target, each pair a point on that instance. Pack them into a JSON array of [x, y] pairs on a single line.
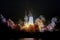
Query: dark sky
[[15, 9]]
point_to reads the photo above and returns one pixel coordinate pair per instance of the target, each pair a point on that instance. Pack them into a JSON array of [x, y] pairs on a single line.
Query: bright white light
[[30, 19]]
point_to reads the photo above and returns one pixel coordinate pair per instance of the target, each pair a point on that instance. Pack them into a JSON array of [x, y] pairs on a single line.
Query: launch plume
[[29, 25], [52, 24], [3, 19], [42, 18]]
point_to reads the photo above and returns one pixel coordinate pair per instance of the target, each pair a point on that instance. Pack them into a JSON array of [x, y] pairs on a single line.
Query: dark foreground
[[8, 33]]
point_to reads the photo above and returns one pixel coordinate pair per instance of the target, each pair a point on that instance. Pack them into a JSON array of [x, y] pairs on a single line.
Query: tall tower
[[30, 17]]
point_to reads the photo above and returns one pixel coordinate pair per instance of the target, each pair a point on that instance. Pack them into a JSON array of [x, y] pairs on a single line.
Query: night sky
[[15, 9]]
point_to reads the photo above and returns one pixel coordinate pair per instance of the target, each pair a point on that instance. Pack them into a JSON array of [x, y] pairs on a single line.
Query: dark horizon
[[16, 9]]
